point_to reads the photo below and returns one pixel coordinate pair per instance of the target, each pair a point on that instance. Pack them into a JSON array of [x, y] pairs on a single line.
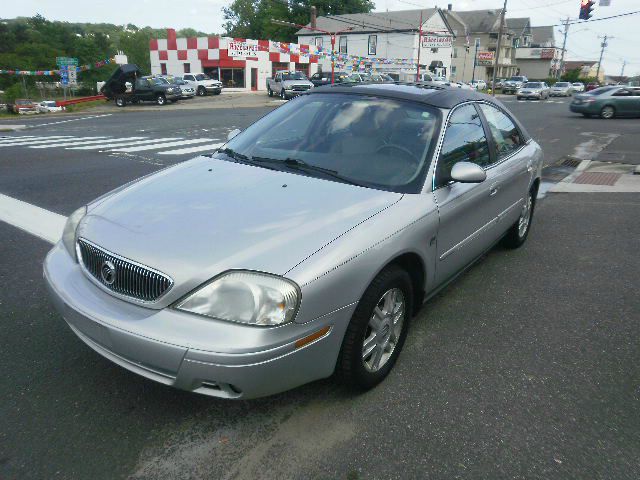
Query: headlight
[[288, 87], [246, 297], [70, 228]]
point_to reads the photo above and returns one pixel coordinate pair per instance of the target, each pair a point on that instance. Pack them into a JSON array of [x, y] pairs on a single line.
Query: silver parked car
[[561, 89], [301, 247], [535, 90]]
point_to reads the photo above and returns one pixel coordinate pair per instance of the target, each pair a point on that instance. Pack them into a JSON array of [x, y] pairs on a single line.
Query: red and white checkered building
[[237, 62]]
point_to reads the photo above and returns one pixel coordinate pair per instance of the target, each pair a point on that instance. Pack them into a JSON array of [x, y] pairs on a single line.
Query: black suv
[[127, 86], [324, 78]]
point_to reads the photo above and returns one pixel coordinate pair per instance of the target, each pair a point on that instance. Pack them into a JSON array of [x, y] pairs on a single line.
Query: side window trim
[[498, 161]]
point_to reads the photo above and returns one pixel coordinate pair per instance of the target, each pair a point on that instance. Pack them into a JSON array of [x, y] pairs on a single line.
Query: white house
[[384, 41]]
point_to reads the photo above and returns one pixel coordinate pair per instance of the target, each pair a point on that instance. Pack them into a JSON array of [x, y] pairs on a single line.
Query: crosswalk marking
[[89, 140], [120, 142], [33, 141], [162, 145], [199, 148]]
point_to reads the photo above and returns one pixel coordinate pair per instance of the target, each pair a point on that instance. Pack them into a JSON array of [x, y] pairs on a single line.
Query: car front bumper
[[532, 95], [213, 88], [192, 352]]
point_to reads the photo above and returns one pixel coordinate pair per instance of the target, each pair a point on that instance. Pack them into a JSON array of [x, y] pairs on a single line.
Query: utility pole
[[495, 66], [624, 64], [604, 45], [419, 44], [564, 48], [475, 60]]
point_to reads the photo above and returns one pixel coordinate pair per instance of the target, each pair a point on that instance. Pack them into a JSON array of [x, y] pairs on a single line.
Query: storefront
[[238, 63]]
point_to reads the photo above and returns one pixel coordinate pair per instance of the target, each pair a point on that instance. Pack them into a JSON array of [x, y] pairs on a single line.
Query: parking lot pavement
[[525, 367]]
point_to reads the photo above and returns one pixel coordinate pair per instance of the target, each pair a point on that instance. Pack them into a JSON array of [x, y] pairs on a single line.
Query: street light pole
[[332, 36], [495, 66], [419, 45]]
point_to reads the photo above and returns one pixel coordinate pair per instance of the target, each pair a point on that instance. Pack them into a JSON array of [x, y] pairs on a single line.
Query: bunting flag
[[51, 73]]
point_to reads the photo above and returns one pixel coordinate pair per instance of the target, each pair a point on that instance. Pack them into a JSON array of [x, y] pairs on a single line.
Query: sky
[[206, 15]]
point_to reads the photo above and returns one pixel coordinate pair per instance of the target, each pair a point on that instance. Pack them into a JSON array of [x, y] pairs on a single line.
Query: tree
[[252, 18]]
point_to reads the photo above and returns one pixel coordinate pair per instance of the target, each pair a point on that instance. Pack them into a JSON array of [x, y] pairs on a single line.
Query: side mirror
[[467, 172], [233, 133]]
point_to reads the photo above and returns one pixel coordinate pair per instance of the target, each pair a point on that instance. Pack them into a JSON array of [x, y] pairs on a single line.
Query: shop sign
[[485, 58], [242, 49], [436, 41]]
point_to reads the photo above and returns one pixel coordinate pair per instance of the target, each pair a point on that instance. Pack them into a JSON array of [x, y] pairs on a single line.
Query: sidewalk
[[597, 176]]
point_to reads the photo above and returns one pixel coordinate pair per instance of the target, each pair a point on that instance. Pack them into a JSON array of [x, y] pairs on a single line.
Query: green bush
[[13, 92]]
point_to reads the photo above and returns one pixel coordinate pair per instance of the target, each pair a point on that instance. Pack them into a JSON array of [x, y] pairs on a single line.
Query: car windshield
[[179, 81], [562, 84], [374, 142], [202, 76], [23, 102], [294, 76], [160, 81], [601, 90], [533, 85], [49, 104], [577, 84], [517, 79]]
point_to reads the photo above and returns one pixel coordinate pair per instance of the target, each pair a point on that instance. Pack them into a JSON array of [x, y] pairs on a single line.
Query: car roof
[[441, 96]]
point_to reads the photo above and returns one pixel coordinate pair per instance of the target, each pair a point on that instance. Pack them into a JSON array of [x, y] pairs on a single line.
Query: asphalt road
[[526, 367]]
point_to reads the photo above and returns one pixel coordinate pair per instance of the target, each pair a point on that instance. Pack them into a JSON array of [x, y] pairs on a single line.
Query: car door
[[636, 102], [624, 102], [514, 165], [468, 211]]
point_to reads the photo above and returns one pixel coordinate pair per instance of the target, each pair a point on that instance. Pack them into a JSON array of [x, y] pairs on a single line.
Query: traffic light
[[586, 9]]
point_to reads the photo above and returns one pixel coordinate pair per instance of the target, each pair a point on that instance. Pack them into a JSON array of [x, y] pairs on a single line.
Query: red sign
[[547, 53]]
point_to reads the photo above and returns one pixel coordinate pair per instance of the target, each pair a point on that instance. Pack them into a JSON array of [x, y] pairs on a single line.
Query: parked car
[[203, 84], [187, 90], [461, 85], [360, 77], [561, 89], [578, 87], [435, 79], [513, 84], [591, 86], [352, 214], [127, 86], [380, 78], [324, 78], [49, 106], [478, 85], [534, 90], [499, 82], [608, 102], [288, 84], [23, 106]]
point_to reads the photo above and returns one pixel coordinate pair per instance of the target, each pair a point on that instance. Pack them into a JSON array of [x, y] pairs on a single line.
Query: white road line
[[158, 146], [70, 120], [120, 143], [4, 138], [34, 220], [75, 141], [38, 141], [199, 148]]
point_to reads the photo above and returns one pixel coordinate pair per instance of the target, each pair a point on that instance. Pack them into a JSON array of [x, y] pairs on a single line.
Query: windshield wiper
[[301, 165], [241, 158]]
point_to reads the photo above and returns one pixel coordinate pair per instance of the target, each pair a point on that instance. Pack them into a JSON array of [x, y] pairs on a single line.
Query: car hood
[[297, 82], [203, 217]]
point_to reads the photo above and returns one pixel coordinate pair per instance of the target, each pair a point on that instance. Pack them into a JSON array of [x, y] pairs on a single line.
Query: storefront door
[[254, 79]]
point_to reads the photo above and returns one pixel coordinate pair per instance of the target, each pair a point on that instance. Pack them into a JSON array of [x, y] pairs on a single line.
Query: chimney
[[313, 17], [450, 7]]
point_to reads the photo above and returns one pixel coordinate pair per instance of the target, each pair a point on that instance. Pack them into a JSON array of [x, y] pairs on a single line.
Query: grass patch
[[81, 107]]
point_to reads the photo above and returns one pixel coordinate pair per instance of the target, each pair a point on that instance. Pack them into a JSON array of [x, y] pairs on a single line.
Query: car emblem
[[108, 272]]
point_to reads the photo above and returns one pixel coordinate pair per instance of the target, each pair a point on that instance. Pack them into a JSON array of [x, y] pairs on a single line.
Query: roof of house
[[371, 22], [477, 21], [542, 37], [519, 26], [574, 64]]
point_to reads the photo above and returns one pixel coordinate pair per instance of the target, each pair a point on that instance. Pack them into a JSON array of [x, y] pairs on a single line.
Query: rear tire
[[519, 231], [120, 102], [377, 330], [607, 112]]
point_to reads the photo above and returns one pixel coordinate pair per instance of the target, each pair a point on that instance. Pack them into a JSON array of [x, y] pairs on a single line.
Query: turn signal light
[[314, 336]]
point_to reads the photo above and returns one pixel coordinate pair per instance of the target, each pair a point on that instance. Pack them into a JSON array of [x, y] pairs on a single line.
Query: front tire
[[120, 102], [282, 95], [202, 91], [377, 330], [519, 231], [161, 100], [269, 92], [607, 112]]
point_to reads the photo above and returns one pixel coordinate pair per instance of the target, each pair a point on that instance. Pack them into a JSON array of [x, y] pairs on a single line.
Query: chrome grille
[[130, 279]]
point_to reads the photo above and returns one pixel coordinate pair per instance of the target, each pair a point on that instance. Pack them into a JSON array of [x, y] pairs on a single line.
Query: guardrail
[[64, 103]]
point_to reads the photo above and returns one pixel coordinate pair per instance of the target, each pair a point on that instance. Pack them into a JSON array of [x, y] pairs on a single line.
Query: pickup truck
[[288, 84], [22, 106], [202, 83], [513, 84], [126, 85]]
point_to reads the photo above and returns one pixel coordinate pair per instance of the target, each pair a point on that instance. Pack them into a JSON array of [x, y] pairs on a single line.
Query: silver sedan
[[534, 90], [302, 247]]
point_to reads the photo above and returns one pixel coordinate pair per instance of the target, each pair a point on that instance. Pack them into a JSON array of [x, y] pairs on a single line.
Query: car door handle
[[493, 190]]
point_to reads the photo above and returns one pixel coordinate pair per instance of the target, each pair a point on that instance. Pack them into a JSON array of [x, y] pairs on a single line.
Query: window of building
[[373, 44], [318, 42], [187, 68], [477, 43], [455, 52], [163, 68], [343, 45], [505, 134], [453, 69], [232, 77], [465, 141], [516, 42]]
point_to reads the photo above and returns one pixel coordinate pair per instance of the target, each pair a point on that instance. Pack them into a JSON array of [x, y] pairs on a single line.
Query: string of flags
[[50, 73]]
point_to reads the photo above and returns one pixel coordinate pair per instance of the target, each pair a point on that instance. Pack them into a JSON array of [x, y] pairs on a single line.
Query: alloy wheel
[[384, 330], [607, 112], [525, 217]]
